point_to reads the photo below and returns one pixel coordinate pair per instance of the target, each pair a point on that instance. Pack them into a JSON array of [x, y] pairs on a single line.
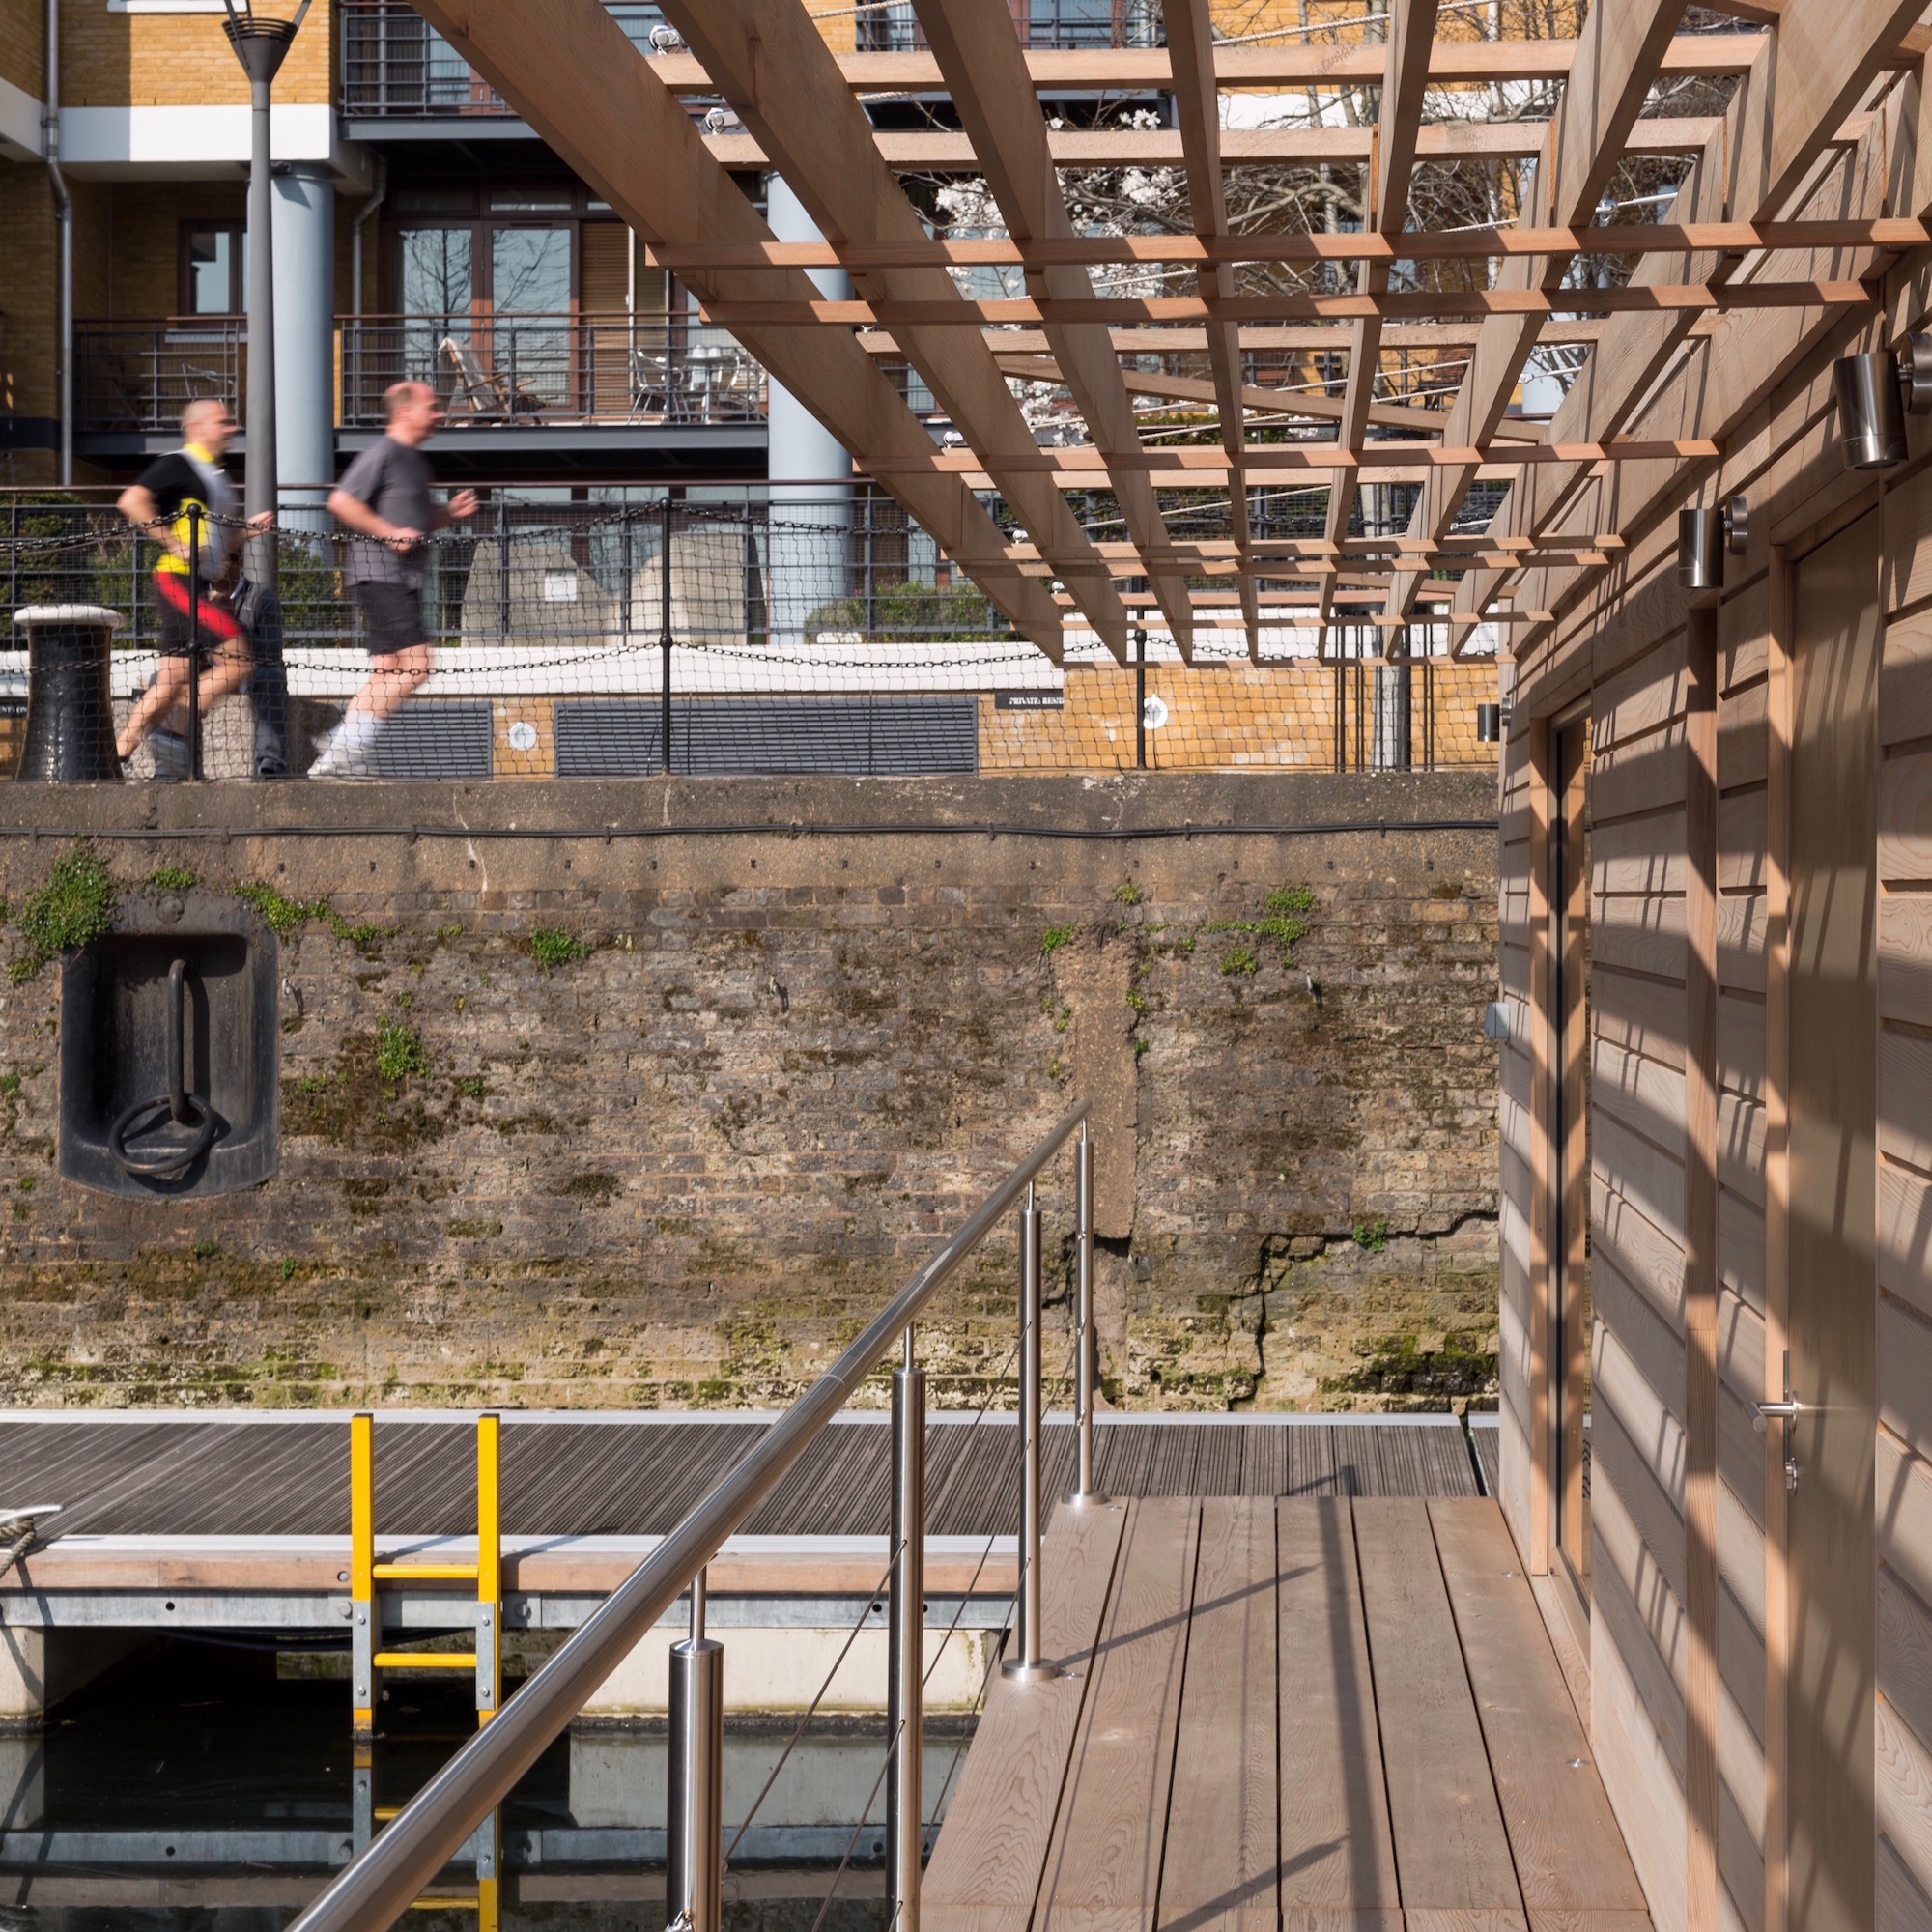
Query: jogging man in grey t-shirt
[[385, 497]]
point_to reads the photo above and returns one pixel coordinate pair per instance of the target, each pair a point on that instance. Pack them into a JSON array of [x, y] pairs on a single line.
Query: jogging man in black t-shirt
[[191, 476], [385, 497]]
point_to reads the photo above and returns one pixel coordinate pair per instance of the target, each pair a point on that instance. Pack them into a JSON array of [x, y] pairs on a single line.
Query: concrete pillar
[[23, 1783], [1389, 751], [809, 469], [305, 197]]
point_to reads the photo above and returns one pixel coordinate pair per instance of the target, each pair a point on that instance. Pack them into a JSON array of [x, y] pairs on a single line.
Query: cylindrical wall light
[[1705, 531], [1488, 724], [1871, 414]]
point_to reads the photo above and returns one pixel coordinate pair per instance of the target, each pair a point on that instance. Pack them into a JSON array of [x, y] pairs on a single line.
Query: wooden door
[[1833, 1218]]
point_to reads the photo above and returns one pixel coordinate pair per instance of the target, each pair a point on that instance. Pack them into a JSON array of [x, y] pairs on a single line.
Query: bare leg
[[228, 673], [392, 678], [169, 689]]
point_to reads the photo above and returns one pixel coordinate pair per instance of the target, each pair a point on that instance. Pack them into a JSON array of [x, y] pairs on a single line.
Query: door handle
[[1786, 1412]]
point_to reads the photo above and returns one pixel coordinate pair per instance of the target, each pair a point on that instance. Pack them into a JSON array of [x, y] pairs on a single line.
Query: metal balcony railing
[[611, 368], [509, 369], [394, 63], [141, 375], [894, 27]]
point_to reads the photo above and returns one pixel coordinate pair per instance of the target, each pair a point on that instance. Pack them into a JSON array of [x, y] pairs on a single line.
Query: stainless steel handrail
[[379, 1886]]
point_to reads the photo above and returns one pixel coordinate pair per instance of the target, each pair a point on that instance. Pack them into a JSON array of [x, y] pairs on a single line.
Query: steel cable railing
[[382, 1883], [864, 1612]]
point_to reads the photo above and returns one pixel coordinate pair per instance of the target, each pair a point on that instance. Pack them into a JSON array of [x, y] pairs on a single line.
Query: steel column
[[905, 1838], [1086, 1492], [694, 1817], [1028, 1666]]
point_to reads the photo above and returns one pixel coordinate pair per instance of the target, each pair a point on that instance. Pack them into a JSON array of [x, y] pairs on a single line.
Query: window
[[214, 268]]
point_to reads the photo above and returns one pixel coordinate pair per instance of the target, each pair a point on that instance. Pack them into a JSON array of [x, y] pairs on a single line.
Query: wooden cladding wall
[[1518, 1356], [1639, 1657], [1904, 1461]]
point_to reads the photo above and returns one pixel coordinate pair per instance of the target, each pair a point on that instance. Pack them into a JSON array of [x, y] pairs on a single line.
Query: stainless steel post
[[1027, 1665], [905, 1836], [694, 1816], [1086, 1495]]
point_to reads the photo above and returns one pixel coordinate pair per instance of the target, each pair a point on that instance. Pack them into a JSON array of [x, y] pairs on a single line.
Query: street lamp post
[[260, 44]]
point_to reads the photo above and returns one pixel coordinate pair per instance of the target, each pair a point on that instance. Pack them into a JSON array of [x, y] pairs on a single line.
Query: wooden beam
[[1519, 305], [1396, 245], [1190, 39], [1615, 65], [985, 71], [1283, 64], [1304, 337], [1618, 377], [1305, 403], [942, 151], [1311, 458], [595, 100], [1411, 32], [769, 61], [1829, 51]]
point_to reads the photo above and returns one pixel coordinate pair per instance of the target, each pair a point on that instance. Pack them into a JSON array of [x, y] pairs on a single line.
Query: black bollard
[[70, 733]]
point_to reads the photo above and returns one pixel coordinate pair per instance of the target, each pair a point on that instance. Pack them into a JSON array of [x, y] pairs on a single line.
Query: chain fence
[[543, 639]]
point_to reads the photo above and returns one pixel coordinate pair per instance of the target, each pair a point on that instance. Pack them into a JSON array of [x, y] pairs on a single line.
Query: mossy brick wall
[[810, 1028]]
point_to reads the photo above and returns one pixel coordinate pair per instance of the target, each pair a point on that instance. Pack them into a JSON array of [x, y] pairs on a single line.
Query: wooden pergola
[[1799, 222]]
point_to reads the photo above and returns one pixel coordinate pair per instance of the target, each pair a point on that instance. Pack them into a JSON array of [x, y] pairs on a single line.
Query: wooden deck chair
[[481, 394]]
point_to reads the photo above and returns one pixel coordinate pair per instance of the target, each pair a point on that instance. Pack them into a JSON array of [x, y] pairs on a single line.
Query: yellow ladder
[[367, 1657], [486, 1846]]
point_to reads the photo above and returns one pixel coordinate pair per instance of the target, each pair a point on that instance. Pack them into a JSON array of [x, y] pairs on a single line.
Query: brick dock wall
[[816, 1020]]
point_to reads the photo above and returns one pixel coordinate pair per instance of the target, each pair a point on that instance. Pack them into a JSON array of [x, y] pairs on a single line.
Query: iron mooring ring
[[183, 1108]]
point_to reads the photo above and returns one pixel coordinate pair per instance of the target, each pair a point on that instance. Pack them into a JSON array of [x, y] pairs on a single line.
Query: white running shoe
[[341, 759]]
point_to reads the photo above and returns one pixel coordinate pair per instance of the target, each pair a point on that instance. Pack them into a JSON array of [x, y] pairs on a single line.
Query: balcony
[[1061, 24], [500, 372], [395, 67], [550, 370]]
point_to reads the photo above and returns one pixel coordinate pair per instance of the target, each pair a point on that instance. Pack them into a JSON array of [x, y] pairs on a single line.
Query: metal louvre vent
[[886, 737], [440, 739]]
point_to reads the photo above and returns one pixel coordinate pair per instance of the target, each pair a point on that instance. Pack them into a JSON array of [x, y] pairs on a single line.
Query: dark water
[[195, 1791]]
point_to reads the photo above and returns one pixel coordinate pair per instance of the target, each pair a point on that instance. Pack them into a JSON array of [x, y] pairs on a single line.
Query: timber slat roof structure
[[1209, 366]]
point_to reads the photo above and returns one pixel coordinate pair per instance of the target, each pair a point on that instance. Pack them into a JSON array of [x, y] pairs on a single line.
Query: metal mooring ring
[[162, 1162]]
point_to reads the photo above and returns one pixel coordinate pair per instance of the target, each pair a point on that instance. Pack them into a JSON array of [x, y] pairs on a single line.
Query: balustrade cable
[[384, 1880]]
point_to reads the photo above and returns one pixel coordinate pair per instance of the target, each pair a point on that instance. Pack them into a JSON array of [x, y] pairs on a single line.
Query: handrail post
[[1029, 1666], [489, 1570], [694, 1820], [905, 1832], [362, 1572], [1085, 1495]]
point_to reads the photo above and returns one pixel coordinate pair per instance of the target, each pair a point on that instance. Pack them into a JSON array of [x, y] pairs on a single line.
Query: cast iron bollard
[[70, 734]]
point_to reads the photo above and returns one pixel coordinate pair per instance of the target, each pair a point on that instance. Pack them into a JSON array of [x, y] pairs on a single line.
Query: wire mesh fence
[[544, 640]]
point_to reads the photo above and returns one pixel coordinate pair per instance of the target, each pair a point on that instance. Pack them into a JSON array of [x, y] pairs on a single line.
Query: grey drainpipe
[[63, 217], [356, 401]]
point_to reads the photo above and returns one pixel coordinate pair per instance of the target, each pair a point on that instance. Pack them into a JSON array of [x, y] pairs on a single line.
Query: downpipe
[[64, 222]]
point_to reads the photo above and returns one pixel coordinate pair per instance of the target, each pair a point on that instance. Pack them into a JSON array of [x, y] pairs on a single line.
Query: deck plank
[[1569, 1854], [985, 1870], [1103, 1868], [1220, 1865], [1452, 1852], [1337, 1848]]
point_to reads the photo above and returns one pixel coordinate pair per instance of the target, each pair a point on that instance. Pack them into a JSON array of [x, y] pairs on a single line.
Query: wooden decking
[[181, 1474], [1317, 1715]]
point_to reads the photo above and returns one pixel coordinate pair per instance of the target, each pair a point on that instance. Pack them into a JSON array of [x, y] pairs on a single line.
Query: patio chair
[[481, 394]]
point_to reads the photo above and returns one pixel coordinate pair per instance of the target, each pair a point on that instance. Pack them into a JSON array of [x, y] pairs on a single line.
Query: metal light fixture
[[1705, 531], [1488, 724], [1875, 393]]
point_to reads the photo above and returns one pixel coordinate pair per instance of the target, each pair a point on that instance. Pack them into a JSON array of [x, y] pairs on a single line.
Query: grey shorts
[[392, 618]]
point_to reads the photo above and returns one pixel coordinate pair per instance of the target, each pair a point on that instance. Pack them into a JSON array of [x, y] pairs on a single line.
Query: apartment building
[[421, 229]]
